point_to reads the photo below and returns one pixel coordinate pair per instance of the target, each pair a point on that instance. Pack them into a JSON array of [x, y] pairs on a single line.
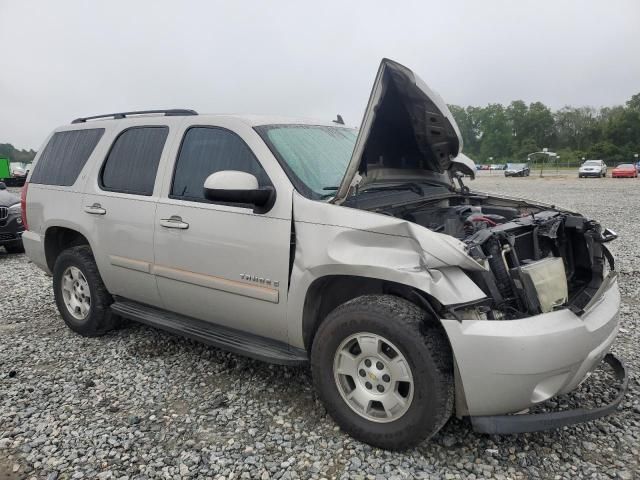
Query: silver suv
[[360, 252]]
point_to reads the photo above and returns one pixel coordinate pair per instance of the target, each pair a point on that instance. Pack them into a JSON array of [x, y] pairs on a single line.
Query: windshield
[[625, 165], [315, 157], [592, 163], [516, 165]]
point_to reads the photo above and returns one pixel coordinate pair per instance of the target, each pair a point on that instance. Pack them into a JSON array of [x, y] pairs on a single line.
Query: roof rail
[[175, 112]]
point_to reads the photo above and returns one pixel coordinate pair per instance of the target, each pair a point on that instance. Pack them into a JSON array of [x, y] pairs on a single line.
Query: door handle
[[174, 221], [95, 209]]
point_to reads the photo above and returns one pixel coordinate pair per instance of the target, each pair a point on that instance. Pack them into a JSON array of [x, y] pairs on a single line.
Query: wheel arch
[[328, 292], [59, 238]]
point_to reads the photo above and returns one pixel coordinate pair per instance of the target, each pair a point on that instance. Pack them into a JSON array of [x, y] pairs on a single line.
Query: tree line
[[509, 134], [14, 155]]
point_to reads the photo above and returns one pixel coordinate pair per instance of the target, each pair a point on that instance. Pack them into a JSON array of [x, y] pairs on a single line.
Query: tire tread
[[405, 315]]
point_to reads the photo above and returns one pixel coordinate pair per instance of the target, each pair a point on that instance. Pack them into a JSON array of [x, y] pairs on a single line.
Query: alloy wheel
[[373, 377], [76, 293]]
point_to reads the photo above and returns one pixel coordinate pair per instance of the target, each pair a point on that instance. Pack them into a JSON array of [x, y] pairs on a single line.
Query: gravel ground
[[139, 403]]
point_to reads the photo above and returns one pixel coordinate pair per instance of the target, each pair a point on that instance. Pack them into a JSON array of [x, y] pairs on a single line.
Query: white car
[[359, 252], [593, 168]]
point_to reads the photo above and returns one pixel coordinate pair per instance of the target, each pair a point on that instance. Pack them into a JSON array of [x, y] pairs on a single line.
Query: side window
[[206, 150], [132, 163], [64, 156]]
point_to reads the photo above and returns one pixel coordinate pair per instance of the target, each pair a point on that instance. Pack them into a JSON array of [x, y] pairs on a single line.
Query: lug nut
[[386, 378], [379, 365], [362, 373], [367, 362], [368, 385], [380, 388]]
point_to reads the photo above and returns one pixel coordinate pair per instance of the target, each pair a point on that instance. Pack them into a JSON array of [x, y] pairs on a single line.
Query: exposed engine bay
[[540, 259]]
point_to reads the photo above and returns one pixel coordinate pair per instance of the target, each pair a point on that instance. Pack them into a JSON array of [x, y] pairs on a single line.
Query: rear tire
[[406, 393], [82, 299]]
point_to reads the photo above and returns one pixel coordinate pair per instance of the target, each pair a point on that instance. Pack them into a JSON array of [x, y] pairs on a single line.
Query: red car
[[625, 170]]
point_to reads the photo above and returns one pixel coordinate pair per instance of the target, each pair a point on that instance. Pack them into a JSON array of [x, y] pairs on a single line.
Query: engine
[[539, 259]]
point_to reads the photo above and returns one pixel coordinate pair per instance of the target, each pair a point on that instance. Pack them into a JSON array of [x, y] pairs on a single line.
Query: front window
[[315, 157], [592, 163]]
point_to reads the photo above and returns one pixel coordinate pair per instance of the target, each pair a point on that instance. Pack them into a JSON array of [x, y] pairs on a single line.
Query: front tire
[[82, 299], [384, 371]]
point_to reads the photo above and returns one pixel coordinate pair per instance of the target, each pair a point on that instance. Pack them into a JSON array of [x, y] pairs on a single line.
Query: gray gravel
[[139, 403]]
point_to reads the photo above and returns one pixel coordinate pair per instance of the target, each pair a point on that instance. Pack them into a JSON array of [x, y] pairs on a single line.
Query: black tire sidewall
[[97, 321], [424, 416]]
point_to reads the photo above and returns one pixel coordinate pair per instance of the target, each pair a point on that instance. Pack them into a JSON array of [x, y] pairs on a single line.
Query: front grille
[[7, 236], [4, 212]]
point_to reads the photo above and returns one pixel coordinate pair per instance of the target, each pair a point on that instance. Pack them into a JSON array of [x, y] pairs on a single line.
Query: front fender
[[395, 251]]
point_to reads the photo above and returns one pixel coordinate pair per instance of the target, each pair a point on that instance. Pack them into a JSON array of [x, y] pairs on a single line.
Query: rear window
[[132, 163], [64, 156]]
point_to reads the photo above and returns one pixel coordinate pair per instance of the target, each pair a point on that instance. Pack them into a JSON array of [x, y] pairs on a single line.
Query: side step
[[225, 338]]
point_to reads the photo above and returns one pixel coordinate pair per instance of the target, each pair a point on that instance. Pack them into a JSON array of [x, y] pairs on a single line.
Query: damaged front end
[[531, 309], [539, 261]]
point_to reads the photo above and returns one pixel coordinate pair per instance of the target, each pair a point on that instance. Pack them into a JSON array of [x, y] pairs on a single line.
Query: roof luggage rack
[[175, 112]]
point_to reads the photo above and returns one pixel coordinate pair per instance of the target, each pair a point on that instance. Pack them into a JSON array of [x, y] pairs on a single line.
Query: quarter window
[[206, 150], [132, 163], [64, 156]]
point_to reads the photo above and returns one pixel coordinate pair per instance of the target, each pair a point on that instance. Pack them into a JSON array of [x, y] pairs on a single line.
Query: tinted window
[[132, 163], [64, 156], [207, 150]]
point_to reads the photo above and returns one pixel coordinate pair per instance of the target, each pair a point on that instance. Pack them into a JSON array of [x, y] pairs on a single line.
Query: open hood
[[407, 132]]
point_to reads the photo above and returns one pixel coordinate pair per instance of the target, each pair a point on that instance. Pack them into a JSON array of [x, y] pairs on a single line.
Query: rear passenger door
[[224, 263], [120, 203]]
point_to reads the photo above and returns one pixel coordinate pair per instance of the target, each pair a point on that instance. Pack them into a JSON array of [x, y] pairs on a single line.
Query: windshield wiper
[[328, 195]]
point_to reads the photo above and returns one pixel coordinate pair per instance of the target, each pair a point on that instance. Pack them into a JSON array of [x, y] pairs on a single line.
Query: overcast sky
[[64, 59]]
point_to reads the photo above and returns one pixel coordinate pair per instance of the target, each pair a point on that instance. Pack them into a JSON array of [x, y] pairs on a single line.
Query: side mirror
[[231, 186]]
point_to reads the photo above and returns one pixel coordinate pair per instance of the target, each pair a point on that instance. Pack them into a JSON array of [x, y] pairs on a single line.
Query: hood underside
[[407, 131]]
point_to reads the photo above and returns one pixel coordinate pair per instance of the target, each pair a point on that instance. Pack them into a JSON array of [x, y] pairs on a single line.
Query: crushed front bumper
[[535, 422], [508, 366]]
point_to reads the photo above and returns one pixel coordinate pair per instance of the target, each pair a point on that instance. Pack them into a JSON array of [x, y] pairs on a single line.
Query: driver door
[[222, 263]]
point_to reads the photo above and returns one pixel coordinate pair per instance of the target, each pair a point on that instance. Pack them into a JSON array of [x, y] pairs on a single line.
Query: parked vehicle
[[296, 241], [12, 174], [497, 166], [11, 226], [517, 170], [625, 170], [593, 168], [638, 166]]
